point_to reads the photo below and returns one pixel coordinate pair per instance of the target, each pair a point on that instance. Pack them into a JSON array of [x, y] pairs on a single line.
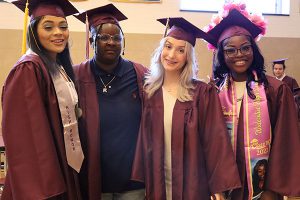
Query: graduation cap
[[102, 15], [234, 24], [279, 61], [97, 16], [181, 29], [37, 8]]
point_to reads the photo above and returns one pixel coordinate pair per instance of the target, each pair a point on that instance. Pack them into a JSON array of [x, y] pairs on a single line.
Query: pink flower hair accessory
[[249, 20]]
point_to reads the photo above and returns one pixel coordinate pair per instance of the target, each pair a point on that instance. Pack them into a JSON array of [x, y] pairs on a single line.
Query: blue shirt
[[120, 113]]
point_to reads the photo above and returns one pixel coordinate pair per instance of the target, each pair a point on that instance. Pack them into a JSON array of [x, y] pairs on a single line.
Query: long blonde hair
[[155, 77]]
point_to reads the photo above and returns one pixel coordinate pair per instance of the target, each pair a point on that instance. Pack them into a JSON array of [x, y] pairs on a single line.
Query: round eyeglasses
[[232, 52]]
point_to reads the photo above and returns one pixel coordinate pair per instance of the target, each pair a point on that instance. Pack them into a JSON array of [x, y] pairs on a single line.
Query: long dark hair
[[63, 58], [258, 65], [256, 178]]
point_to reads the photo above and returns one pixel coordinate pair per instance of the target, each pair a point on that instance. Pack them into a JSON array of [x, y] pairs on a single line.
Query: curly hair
[[221, 70]]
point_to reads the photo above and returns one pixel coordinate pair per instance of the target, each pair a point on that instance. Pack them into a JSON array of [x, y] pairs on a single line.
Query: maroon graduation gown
[[283, 174], [33, 136], [291, 82], [90, 175], [202, 157]]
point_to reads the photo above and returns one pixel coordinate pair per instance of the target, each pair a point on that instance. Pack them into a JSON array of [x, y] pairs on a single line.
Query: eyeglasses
[[232, 52], [106, 38]]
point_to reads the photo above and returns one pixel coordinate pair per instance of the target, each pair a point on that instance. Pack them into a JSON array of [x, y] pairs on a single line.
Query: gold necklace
[[105, 85]]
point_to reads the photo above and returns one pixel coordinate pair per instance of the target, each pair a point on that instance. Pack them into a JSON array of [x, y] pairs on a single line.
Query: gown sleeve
[[33, 165], [283, 170], [221, 167], [295, 84], [139, 163], [138, 167]]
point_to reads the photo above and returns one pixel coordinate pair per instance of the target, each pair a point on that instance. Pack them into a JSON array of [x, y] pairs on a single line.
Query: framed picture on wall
[[137, 1]]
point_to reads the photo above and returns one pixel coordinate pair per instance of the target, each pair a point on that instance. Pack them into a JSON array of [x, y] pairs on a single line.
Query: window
[[278, 7]]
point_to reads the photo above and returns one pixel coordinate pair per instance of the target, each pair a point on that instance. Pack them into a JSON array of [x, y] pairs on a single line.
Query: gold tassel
[[87, 45], [25, 28], [167, 27]]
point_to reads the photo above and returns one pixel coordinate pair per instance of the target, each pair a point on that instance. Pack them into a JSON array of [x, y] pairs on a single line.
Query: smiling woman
[[257, 117], [53, 34], [182, 129], [40, 95]]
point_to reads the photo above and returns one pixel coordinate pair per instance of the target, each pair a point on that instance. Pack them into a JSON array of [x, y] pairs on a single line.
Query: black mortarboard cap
[[38, 8], [182, 29], [102, 15], [234, 24], [279, 61]]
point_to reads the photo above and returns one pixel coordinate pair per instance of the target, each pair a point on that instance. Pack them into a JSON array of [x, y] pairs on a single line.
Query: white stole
[[67, 99]]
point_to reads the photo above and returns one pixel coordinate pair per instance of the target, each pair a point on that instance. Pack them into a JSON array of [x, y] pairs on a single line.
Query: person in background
[[183, 150], [297, 100], [258, 108], [39, 104], [279, 72], [109, 88], [278, 67]]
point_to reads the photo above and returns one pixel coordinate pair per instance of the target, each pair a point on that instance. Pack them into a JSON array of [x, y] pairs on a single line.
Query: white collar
[[281, 77]]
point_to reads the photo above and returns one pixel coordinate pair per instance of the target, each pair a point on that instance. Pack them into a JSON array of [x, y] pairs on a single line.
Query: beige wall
[[142, 17], [143, 34], [140, 46]]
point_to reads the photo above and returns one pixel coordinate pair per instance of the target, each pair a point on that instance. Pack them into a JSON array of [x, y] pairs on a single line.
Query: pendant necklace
[[104, 90]]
